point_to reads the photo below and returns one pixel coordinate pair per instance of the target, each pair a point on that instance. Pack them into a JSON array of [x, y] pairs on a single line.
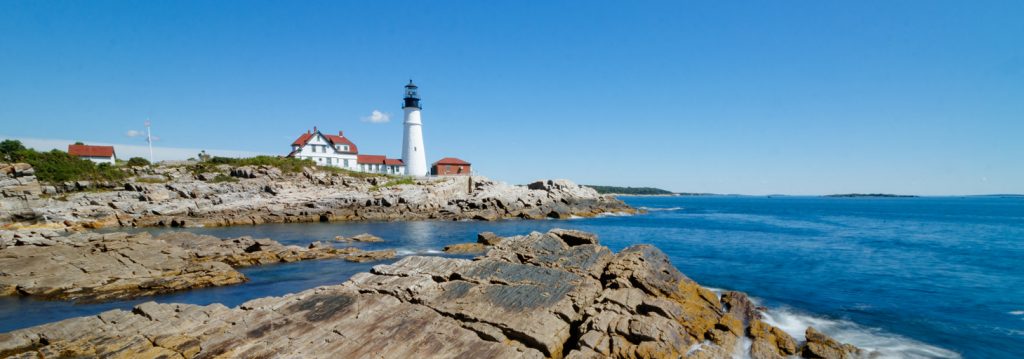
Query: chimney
[[307, 132], [341, 133], [314, 128]]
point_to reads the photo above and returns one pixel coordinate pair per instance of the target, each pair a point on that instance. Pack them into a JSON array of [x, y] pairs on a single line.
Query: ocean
[[930, 277]]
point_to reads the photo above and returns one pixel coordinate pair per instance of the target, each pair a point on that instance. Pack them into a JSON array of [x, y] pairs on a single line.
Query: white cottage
[[326, 150], [98, 154]]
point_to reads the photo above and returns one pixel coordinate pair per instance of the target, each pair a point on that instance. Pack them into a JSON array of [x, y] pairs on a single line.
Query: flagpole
[[149, 138]]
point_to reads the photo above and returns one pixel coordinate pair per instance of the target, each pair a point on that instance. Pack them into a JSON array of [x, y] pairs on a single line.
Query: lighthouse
[[413, 154]]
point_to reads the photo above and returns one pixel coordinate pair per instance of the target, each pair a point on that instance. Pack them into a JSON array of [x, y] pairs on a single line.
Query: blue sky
[[753, 97]]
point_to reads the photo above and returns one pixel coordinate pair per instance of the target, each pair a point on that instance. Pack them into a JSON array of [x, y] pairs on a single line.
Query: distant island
[[858, 195], [646, 191]]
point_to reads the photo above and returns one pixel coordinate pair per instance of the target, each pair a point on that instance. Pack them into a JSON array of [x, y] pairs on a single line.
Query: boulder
[[739, 305], [462, 248], [820, 345], [769, 341], [488, 238], [573, 237], [364, 238]]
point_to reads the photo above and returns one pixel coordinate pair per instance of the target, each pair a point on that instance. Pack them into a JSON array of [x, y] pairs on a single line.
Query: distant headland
[[640, 191], [870, 195]]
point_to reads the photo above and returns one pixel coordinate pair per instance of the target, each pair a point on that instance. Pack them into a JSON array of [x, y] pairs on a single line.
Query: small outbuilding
[[98, 154], [450, 166], [380, 164]]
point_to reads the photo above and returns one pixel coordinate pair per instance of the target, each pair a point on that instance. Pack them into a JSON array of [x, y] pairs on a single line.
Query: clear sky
[[753, 97]]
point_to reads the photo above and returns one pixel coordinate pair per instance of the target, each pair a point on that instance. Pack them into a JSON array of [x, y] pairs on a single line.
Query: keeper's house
[[98, 154], [338, 151]]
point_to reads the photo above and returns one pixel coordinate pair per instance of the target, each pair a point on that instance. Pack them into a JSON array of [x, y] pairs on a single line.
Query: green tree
[[137, 162], [10, 148]]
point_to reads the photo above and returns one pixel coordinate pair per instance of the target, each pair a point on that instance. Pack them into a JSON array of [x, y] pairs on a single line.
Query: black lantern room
[[412, 97]]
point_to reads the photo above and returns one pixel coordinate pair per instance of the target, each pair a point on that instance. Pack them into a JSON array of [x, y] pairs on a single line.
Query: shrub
[[285, 164], [8, 148], [223, 178], [59, 166], [137, 162]]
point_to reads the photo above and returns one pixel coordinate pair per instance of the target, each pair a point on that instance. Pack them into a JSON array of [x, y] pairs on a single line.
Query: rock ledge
[[531, 296]]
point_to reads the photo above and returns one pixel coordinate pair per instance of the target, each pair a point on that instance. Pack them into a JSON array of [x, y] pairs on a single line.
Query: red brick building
[[450, 166]]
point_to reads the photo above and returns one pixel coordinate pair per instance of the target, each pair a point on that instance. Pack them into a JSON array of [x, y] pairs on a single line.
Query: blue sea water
[[909, 277]]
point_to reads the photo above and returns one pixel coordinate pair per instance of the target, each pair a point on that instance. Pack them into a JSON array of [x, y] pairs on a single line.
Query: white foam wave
[[660, 209], [1017, 312], [415, 251], [883, 344], [614, 214]]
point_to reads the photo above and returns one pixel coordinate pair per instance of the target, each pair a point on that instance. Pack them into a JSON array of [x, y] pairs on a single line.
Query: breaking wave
[[883, 344], [878, 343], [661, 209], [416, 251], [614, 214]]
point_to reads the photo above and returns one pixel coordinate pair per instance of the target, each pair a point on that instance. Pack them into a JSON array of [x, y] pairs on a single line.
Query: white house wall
[[320, 157], [108, 160]]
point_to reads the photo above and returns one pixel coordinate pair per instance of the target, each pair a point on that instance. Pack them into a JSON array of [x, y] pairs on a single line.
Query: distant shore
[[870, 195]]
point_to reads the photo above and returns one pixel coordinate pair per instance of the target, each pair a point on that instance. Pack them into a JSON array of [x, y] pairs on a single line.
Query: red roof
[[338, 139], [90, 151], [341, 140], [451, 161], [377, 159], [301, 141]]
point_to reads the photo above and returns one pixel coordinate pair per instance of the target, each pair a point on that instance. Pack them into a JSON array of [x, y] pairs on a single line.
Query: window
[[345, 147], [345, 162]]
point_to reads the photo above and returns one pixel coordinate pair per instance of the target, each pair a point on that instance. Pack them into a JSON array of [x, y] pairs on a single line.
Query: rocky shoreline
[[88, 266], [174, 196], [544, 295]]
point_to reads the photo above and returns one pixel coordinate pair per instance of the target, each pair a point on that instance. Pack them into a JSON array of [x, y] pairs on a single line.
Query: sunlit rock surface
[[102, 266], [533, 296], [174, 196]]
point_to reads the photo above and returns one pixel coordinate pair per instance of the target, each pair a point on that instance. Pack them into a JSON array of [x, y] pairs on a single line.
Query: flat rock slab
[[97, 267], [517, 301]]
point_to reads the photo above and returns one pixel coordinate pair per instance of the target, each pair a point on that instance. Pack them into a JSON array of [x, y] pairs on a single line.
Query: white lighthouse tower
[[413, 153]]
